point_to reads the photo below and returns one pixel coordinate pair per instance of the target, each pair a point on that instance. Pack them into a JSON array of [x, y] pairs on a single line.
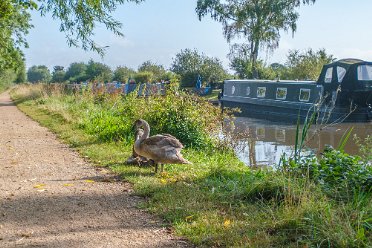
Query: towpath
[[51, 197]]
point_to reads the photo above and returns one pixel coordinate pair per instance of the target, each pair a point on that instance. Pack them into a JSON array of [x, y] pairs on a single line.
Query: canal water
[[261, 143]]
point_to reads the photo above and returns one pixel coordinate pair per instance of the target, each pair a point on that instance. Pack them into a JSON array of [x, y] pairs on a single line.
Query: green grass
[[216, 201], [213, 95]]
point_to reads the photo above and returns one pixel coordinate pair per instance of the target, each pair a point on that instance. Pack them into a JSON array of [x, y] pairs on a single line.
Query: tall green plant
[[301, 137]]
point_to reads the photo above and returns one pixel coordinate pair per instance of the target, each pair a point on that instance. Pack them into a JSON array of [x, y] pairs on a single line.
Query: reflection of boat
[[266, 141], [343, 92], [280, 135]]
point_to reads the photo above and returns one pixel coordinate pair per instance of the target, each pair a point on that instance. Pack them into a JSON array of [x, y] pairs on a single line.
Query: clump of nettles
[[336, 171]]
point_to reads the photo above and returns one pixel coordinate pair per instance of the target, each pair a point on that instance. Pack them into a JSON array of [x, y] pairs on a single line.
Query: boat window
[[261, 91], [281, 93], [260, 132], [328, 75], [280, 135], [233, 90], [365, 72], [248, 91], [341, 71], [304, 95]]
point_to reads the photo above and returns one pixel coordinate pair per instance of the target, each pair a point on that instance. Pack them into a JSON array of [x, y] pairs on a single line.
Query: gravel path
[[51, 197]]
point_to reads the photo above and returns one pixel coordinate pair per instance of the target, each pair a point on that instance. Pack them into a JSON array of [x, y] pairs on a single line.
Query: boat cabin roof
[[248, 81], [351, 71]]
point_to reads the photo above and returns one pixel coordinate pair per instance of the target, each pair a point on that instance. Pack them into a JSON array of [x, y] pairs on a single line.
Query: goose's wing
[[167, 135], [162, 140]]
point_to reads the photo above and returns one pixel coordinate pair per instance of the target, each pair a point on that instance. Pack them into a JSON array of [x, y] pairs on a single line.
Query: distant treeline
[[186, 67]]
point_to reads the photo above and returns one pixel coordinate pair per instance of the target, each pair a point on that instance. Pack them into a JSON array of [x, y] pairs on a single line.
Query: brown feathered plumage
[[161, 148], [136, 159]]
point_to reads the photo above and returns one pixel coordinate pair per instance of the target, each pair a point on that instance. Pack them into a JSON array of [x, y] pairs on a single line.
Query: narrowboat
[[342, 93]]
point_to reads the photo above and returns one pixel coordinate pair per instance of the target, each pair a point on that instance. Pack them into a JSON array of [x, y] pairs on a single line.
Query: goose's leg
[[162, 167], [156, 168]]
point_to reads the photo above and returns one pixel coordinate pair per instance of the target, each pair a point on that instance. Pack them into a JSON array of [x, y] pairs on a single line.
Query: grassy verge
[[213, 95], [217, 201]]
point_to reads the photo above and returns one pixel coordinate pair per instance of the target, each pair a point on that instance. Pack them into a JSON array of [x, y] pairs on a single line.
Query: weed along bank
[[343, 93]]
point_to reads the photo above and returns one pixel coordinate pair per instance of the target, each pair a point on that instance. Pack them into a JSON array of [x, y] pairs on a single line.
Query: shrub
[[191, 119], [144, 77], [335, 171]]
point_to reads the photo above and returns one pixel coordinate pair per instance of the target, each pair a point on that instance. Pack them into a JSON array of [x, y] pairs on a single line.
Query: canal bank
[[217, 201]]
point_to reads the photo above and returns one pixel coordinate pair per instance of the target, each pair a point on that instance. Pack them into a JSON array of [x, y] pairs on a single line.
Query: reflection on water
[[261, 143]]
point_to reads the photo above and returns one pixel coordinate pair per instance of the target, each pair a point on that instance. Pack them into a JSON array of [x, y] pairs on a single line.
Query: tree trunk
[[254, 56]]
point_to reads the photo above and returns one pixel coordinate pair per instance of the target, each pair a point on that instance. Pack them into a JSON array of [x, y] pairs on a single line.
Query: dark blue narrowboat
[[343, 93]]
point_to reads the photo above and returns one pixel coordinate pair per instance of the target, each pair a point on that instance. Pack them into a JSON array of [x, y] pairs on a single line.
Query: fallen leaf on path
[[27, 235], [68, 184], [89, 181], [39, 186], [41, 190]]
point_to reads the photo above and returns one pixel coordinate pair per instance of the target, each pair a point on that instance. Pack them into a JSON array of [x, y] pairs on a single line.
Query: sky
[[157, 30]]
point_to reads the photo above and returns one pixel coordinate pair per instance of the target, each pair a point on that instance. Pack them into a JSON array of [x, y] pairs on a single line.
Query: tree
[[190, 64], [306, 65], [123, 74], [59, 74], [98, 71], [76, 72], [38, 73], [212, 70], [157, 70], [78, 20], [14, 25], [187, 64], [144, 77], [241, 63], [21, 76], [9, 77], [257, 21], [16, 73]]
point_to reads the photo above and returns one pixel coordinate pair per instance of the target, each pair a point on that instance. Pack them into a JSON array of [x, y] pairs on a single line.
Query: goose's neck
[[146, 130]]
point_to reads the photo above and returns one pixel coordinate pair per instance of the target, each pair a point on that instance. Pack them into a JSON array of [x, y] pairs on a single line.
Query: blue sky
[[156, 30]]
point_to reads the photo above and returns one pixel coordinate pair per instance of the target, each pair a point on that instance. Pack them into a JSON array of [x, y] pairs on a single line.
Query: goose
[[161, 148], [136, 159]]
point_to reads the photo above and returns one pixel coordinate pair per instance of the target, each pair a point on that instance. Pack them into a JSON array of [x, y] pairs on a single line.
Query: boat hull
[[290, 112]]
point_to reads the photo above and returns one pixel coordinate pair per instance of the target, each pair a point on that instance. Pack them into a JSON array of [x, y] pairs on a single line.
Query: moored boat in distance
[[343, 93]]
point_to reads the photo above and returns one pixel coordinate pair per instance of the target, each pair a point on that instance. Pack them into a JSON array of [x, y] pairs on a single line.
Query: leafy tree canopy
[[14, 25], [257, 21], [38, 73], [98, 71], [123, 74], [78, 19], [241, 63], [59, 74], [306, 65], [144, 77], [157, 70], [190, 64], [76, 72]]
